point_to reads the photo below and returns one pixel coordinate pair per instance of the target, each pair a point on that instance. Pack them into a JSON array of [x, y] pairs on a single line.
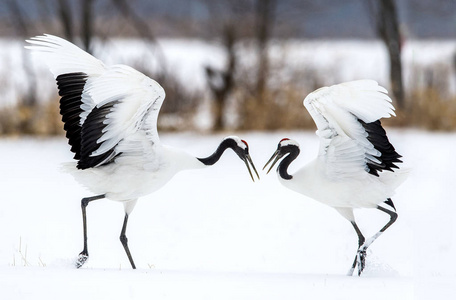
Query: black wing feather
[[71, 86], [389, 157], [92, 130]]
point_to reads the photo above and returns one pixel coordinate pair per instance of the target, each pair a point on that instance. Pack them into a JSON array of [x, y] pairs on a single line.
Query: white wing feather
[[343, 140], [63, 57], [140, 97], [140, 102]]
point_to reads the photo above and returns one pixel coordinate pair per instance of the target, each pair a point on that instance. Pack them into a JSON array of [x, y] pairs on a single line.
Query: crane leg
[[84, 255], [361, 241], [124, 241], [363, 244]]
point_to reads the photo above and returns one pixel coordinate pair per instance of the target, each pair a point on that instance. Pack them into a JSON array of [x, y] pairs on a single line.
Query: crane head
[[284, 147], [241, 148]]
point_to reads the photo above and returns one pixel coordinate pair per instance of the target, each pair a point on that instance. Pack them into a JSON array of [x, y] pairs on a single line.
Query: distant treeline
[[190, 18]]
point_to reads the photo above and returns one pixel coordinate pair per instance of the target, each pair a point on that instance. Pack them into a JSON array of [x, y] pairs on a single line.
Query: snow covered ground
[[213, 234]]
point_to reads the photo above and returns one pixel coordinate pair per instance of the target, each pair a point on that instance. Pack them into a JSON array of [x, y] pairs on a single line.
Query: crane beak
[[276, 156], [248, 161]]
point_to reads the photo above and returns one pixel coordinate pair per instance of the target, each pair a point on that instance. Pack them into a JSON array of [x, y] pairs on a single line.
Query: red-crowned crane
[[110, 118], [355, 163]]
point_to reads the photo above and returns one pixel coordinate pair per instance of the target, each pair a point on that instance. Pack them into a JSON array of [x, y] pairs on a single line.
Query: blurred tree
[[265, 11], [125, 9], [386, 21], [227, 27], [28, 101], [20, 21], [87, 20], [143, 29], [233, 21], [221, 82], [178, 99], [66, 17]]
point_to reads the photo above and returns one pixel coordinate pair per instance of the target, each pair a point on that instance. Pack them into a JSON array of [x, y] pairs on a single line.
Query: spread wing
[[352, 139], [100, 105]]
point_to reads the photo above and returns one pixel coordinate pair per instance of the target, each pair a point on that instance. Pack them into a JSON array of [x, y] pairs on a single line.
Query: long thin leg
[[124, 241], [360, 257], [393, 218], [84, 255], [361, 241]]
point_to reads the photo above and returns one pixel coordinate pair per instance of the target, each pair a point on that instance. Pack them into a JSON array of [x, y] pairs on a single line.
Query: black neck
[[214, 157], [293, 152]]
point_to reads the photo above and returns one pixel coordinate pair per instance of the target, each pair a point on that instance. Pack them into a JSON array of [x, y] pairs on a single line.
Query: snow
[[214, 234], [326, 61]]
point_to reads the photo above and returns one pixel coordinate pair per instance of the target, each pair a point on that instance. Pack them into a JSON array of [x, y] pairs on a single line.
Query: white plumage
[[110, 116], [355, 162]]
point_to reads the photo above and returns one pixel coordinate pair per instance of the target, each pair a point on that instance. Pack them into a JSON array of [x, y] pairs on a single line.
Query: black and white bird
[[110, 117], [356, 166]]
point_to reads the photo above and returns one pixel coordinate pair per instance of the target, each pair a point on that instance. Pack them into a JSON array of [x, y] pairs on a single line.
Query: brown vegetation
[[282, 108]]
